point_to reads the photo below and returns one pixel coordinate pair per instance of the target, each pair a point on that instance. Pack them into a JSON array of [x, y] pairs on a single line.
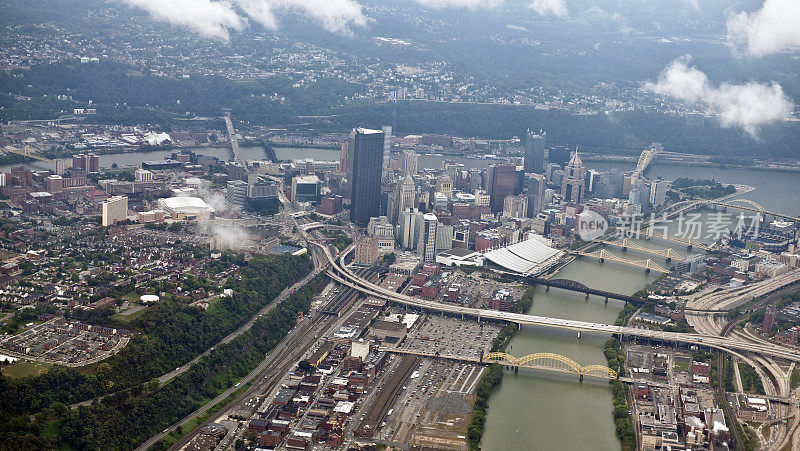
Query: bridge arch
[[553, 362]]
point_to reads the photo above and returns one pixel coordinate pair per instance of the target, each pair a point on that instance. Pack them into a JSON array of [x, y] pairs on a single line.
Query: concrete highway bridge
[[340, 273], [237, 156]]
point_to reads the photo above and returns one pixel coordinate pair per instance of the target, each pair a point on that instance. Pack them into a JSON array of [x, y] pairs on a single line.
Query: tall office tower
[[769, 320], [365, 196], [387, 142], [534, 152], [536, 186], [59, 166], [92, 163], [426, 237], [344, 155], [407, 227], [444, 185], [236, 193], [502, 178], [408, 163], [114, 209], [572, 184], [658, 193], [403, 198], [515, 207], [79, 161], [592, 177]]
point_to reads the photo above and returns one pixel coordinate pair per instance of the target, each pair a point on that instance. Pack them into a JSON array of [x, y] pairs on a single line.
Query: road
[[343, 275]]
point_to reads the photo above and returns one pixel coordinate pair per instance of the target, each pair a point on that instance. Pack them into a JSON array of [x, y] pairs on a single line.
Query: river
[[534, 410]]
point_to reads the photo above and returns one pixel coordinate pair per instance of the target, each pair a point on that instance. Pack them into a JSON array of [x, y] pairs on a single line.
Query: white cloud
[[218, 18], [335, 16], [747, 106], [554, 7], [466, 4], [771, 29], [210, 18]]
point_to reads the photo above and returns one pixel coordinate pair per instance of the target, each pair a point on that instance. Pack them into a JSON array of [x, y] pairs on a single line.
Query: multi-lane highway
[[342, 274]]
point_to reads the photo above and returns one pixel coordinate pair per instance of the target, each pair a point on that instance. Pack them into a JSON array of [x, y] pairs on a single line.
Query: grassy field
[[24, 368], [682, 366], [131, 297], [122, 318]]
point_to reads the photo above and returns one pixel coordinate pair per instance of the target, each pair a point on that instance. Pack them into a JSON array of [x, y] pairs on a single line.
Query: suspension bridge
[[668, 254], [27, 152], [603, 255]]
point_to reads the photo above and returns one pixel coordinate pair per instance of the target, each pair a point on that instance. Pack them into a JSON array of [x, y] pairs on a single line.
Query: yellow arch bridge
[[551, 362]]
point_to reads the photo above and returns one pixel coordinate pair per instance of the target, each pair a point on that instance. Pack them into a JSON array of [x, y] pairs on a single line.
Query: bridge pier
[[647, 270], [581, 377], [579, 334], [547, 288], [516, 369], [602, 260], [624, 248], [606, 301], [668, 259], [689, 247]]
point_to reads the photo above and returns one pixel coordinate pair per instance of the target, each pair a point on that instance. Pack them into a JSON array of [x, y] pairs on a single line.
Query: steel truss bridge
[[739, 204], [546, 361], [626, 244], [345, 276], [237, 157], [603, 255], [647, 157], [551, 362]]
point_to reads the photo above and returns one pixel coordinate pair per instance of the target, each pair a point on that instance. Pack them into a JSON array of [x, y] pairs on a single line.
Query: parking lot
[[449, 336]]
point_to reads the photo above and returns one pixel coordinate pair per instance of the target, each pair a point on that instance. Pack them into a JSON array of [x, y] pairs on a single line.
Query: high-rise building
[[59, 166], [403, 198], [365, 197], [407, 227], [236, 194], [114, 210], [769, 320], [408, 163], [502, 178], [444, 185], [54, 183], [387, 143], [534, 152], [426, 237], [92, 163], [79, 161], [658, 192], [515, 207], [572, 184], [306, 188], [536, 186]]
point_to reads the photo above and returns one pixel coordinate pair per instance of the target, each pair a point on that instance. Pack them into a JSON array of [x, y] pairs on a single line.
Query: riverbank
[[493, 376]]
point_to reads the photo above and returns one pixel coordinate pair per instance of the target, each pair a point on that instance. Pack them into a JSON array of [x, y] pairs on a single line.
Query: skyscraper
[[536, 186], [92, 163], [444, 185], [408, 163], [502, 178], [114, 209], [572, 184], [658, 193], [403, 198], [534, 152], [387, 142], [365, 197], [426, 237]]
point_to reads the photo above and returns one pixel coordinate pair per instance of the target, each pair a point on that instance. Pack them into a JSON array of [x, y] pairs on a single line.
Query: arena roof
[[526, 257], [185, 204]]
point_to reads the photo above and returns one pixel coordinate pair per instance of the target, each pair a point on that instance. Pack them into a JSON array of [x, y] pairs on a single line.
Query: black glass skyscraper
[[365, 198], [534, 152]]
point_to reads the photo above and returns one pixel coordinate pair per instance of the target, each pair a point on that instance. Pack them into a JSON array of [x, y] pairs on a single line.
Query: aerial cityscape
[[399, 224]]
